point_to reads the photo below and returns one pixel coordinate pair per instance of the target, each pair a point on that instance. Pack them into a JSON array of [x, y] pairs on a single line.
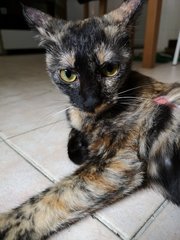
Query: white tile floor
[[33, 138]]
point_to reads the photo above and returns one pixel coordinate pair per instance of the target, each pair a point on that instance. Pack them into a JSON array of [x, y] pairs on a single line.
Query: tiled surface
[[87, 229], [39, 109], [165, 226], [31, 123], [162, 72], [18, 179], [26, 94], [18, 81], [48, 147], [128, 216]]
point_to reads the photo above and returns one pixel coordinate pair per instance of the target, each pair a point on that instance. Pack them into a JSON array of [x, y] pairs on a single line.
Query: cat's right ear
[[126, 13], [42, 22]]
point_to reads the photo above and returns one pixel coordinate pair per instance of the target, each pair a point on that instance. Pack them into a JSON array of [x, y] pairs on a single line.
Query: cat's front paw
[[75, 117], [77, 147]]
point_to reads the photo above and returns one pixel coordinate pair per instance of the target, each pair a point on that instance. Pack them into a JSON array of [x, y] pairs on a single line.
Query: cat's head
[[88, 59]]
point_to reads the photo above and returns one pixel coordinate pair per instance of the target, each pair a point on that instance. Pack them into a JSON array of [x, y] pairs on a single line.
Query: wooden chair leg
[[151, 33], [86, 10], [2, 51], [102, 7]]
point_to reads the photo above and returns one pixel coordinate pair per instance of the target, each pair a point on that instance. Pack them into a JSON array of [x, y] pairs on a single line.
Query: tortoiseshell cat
[[125, 126]]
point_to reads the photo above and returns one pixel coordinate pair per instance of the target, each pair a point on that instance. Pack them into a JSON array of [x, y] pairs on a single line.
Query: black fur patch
[[77, 147], [161, 119], [169, 172], [4, 232]]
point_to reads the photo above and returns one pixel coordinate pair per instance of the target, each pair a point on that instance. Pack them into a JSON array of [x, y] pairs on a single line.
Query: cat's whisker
[[57, 103], [50, 108], [61, 111], [54, 124], [133, 89], [137, 98], [53, 115], [61, 101], [130, 104], [135, 103], [57, 113]]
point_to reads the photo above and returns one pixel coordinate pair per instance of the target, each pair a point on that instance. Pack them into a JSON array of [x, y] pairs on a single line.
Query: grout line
[[150, 220], [27, 98], [107, 226], [29, 160], [46, 174], [3, 136]]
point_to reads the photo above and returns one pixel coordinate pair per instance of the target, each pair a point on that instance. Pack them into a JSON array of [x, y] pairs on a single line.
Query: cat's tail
[[91, 187]]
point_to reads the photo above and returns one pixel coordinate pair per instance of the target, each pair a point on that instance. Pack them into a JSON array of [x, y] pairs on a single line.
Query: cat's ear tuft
[[126, 12], [36, 18], [41, 22]]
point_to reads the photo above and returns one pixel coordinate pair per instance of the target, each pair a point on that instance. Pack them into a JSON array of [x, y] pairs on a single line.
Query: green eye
[[110, 70], [68, 76]]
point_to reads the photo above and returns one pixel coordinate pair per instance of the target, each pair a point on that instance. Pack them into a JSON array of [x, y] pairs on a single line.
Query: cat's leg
[[91, 187], [76, 118], [77, 143], [160, 144], [164, 165], [164, 153], [77, 147]]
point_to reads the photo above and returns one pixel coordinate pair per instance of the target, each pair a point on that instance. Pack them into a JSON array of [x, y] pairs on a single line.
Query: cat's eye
[[110, 70], [68, 76]]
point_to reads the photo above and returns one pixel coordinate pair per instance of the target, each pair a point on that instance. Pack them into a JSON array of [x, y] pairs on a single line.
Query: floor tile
[[162, 72], [87, 229], [128, 216], [28, 102], [166, 226], [28, 99], [47, 146], [18, 179], [21, 78], [21, 116]]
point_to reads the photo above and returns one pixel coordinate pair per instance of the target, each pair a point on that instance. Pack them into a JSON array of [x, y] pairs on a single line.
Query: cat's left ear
[[126, 12], [42, 22]]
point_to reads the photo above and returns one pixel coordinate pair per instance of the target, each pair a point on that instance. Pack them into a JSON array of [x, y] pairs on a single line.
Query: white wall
[[169, 25], [18, 39], [75, 12], [170, 22]]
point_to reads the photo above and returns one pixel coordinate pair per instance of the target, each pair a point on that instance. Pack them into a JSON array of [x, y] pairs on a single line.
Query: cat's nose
[[90, 103]]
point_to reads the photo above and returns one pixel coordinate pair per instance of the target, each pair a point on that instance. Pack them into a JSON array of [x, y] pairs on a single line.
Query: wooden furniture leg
[[102, 7], [86, 10], [151, 32], [2, 51]]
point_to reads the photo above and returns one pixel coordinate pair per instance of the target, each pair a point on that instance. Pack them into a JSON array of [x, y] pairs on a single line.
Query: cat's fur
[[124, 136]]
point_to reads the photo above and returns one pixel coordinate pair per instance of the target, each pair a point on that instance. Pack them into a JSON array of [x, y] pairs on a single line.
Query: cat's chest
[[106, 137]]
